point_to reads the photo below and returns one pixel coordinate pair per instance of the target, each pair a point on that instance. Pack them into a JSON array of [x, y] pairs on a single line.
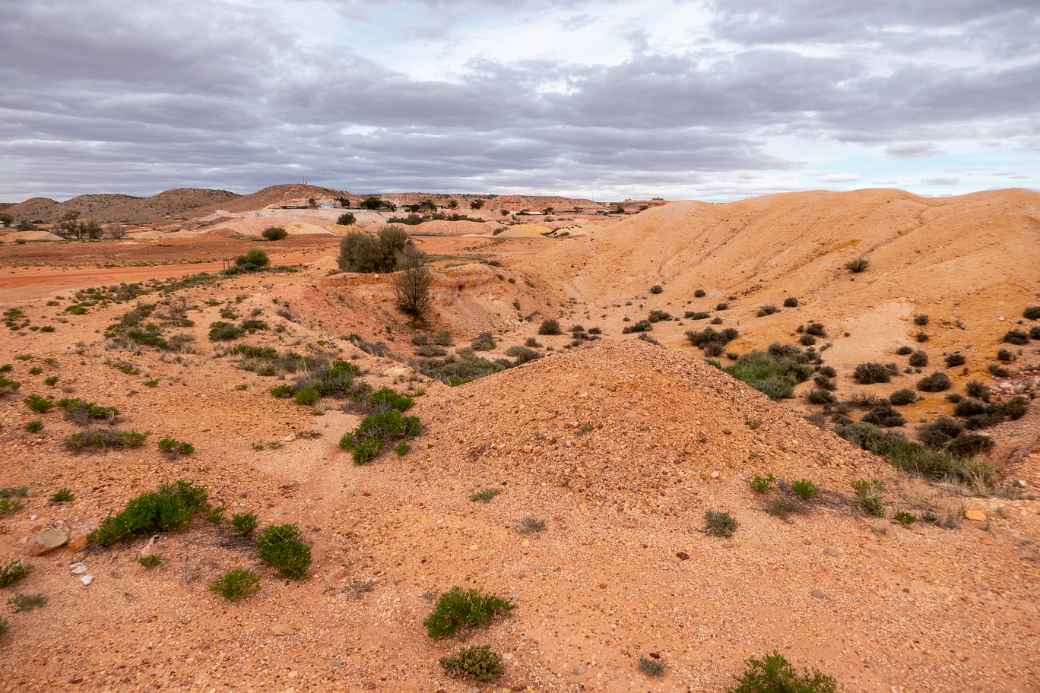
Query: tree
[[312, 203], [346, 219], [361, 252], [344, 202], [69, 225], [476, 204], [6, 220], [90, 230], [412, 284], [376, 204], [275, 233], [453, 204]]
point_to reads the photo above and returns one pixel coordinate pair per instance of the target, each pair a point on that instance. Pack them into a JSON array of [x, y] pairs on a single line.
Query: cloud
[[101, 95], [912, 149], [945, 182]]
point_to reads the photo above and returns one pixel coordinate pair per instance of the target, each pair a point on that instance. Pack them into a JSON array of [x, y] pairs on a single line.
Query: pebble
[[86, 580], [78, 568]]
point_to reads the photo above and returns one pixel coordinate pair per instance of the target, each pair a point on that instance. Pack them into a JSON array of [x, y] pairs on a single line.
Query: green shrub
[[953, 360], [858, 265], [236, 584], [656, 289], [224, 331], [40, 405], [253, 261], [884, 416], [905, 518], [804, 489], [104, 439], [13, 571], [477, 663], [902, 397], [549, 327], [936, 382], [34, 426], [774, 674], [651, 667], [696, 315], [790, 302], [461, 368], [775, 375], [62, 495], [869, 500], [761, 484], [1031, 313], [457, 609], [529, 524], [385, 399], [346, 219], [376, 431], [918, 359], [641, 326], [306, 396], [402, 448], [969, 445], [8, 386], [175, 448], [913, 457], [83, 412], [719, 524], [27, 602], [870, 373], [150, 561], [275, 233], [522, 354], [361, 252], [244, 524], [485, 495], [484, 341], [767, 310], [166, 510], [819, 396], [1017, 337], [281, 546]]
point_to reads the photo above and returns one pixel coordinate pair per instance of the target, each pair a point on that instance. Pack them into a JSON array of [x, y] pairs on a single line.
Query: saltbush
[[282, 547], [166, 510], [458, 609]]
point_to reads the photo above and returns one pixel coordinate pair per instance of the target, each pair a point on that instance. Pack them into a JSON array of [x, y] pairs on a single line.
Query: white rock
[[78, 568], [86, 579]]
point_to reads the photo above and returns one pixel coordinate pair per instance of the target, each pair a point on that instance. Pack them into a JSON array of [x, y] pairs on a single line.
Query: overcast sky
[[683, 99]]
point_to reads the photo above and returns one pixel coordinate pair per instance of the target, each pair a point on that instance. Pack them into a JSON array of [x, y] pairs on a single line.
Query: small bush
[[150, 561], [954, 360], [936, 382], [869, 501], [904, 350], [253, 261], [651, 667], [549, 327], [244, 524], [62, 495], [457, 609], [1005, 356], [761, 484], [104, 439], [858, 265], [790, 302], [767, 310], [870, 373], [166, 510], [1031, 313], [884, 416], [13, 571], [1017, 337], [224, 331], [696, 315], [27, 602], [34, 426], [275, 233], [719, 523], [484, 341], [236, 584], [40, 405], [281, 546], [376, 431], [774, 674], [346, 219], [656, 289], [529, 524], [902, 397], [816, 329], [306, 396], [919, 359], [819, 396], [477, 663], [939, 432], [905, 518], [283, 391], [176, 448], [804, 489], [807, 340], [83, 412], [969, 445], [484, 496], [773, 374]]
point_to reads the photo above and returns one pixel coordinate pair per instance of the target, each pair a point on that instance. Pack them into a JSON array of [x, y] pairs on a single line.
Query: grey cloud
[[912, 149]]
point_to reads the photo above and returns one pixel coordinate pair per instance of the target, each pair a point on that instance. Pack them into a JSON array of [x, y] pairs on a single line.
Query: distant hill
[[111, 208]]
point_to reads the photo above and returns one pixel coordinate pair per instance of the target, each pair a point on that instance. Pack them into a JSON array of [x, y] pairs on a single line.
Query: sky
[[683, 99]]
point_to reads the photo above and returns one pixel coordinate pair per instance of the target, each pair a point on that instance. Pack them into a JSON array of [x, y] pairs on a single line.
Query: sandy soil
[[619, 446]]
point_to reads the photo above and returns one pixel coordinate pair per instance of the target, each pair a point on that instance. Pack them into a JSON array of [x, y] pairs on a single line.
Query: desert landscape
[[784, 443]]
